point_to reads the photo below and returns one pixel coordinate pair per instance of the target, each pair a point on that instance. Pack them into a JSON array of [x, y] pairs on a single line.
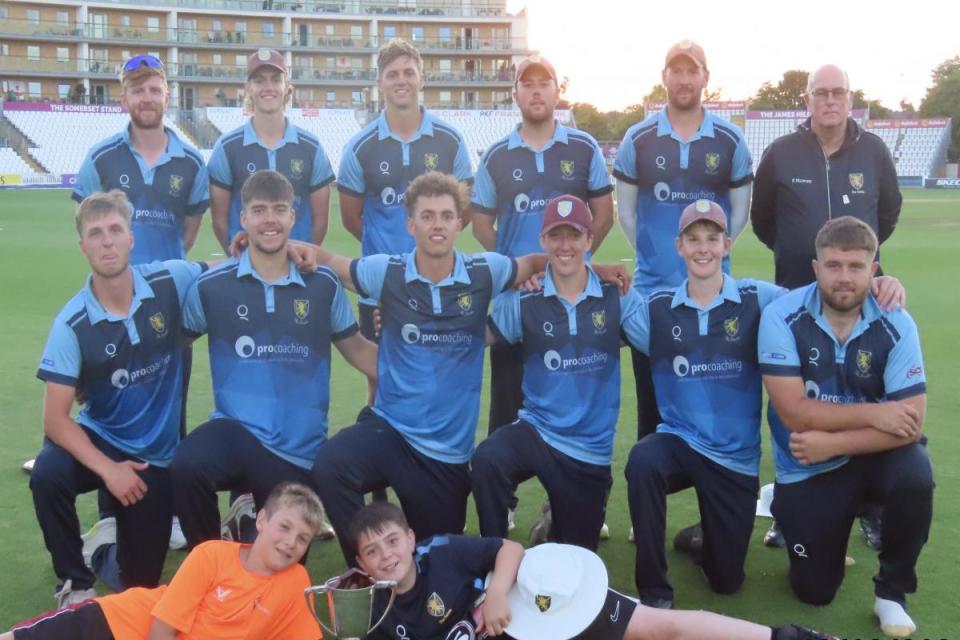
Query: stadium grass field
[[40, 268]]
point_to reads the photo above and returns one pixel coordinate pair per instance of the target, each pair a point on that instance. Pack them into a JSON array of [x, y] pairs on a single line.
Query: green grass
[[40, 268]]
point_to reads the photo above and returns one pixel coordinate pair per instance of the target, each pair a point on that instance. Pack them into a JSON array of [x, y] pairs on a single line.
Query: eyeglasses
[[837, 94], [140, 61]]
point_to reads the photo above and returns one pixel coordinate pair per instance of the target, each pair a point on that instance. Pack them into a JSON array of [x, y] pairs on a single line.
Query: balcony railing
[[451, 8]]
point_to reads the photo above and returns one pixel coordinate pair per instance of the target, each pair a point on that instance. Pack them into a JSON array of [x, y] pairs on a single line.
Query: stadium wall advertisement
[[56, 107], [941, 183]]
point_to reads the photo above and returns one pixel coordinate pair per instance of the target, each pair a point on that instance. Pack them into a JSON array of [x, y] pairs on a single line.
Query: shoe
[[68, 597], [631, 537], [511, 519], [230, 526], [177, 539], [894, 619], [690, 541], [27, 467], [325, 532], [774, 537], [796, 632], [604, 532], [656, 603], [540, 531], [871, 529], [103, 532]]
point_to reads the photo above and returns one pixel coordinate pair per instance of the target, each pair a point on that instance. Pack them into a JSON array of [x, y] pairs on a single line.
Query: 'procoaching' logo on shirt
[[122, 378], [246, 347], [706, 370], [412, 334], [553, 361], [522, 203]]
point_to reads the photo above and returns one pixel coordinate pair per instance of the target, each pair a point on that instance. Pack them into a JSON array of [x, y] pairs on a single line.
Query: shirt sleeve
[[184, 274], [767, 293], [776, 346], [87, 180], [343, 323], [61, 357], [625, 163], [322, 171], [741, 170], [462, 170], [476, 555], [199, 198], [503, 270], [598, 183], [218, 169], [194, 318], [296, 622], [904, 375], [194, 579], [350, 175], [635, 320], [504, 320], [368, 274], [484, 196]]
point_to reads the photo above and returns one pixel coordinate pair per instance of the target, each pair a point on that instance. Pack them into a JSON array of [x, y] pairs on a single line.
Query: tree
[[623, 120], [877, 110], [591, 120], [787, 94], [907, 108], [657, 94], [943, 101]]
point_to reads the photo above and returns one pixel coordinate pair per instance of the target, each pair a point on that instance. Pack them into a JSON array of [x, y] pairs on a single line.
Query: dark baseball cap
[[265, 57], [707, 210], [687, 48], [566, 210], [535, 61]]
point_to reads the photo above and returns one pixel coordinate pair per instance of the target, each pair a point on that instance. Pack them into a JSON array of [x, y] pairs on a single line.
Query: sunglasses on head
[[143, 60]]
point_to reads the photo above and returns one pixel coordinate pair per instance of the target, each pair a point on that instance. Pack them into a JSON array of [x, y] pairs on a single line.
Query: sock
[[894, 620]]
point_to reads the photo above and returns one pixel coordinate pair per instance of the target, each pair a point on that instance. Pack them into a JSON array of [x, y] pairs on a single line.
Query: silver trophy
[[348, 612]]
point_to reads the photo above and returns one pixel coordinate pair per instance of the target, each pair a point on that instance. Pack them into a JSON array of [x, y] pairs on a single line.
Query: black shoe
[[656, 603], [796, 632], [871, 528], [773, 537], [690, 541]]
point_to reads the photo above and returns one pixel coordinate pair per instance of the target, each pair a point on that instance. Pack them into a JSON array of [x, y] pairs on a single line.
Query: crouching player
[[222, 589], [554, 591]]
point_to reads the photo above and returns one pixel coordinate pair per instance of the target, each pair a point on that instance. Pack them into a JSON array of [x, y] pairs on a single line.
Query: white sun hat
[[560, 590]]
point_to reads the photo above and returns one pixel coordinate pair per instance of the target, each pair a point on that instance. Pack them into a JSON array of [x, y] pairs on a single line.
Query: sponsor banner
[[56, 107], [37, 181], [796, 114], [10, 179], [936, 123], [941, 183]]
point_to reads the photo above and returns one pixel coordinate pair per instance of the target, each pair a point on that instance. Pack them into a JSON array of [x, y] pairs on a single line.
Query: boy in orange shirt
[[223, 590]]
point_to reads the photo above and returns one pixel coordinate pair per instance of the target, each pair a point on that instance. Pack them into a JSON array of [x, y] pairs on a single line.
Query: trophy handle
[[320, 590], [385, 584]]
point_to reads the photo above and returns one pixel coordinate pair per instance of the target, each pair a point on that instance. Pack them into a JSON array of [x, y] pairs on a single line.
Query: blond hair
[[100, 205], [293, 495], [395, 49]]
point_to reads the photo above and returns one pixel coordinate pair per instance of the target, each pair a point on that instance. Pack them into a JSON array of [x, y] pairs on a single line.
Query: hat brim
[[528, 623], [564, 223], [265, 64]]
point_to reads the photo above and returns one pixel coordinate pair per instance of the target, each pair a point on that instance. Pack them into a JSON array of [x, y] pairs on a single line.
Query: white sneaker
[[67, 596], [511, 520], [325, 532], [242, 507], [27, 467], [630, 536], [604, 532], [103, 532], [177, 539]]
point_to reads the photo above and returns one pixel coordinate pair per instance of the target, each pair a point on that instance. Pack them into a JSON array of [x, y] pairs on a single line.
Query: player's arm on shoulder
[[161, 631], [320, 211], [528, 266], [496, 610], [220, 215]]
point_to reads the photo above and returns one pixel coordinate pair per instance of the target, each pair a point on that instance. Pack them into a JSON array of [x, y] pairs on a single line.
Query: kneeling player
[[222, 589]]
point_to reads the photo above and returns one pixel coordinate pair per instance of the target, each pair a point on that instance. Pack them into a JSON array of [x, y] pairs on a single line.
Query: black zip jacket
[[797, 189]]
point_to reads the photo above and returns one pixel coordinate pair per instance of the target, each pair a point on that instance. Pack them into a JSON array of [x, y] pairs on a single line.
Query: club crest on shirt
[[301, 309], [463, 630], [712, 161], [435, 606], [296, 168], [158, 324], [731, 326], [566, 169], [542, 602], [599, 319], [431, 160], [863, 362], [176, 183], [465, 302], [856, 182]]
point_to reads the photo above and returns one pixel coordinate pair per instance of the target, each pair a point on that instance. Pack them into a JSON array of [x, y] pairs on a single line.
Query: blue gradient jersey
[[270, 351], [126, 368], [705, 371], [161, 195], [514, 182], [571, 362], [670, 174], [430, 363], [881, 360], [298, 156]]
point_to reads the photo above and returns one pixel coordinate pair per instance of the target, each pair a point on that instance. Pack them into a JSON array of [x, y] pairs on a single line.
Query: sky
[[612, 51]]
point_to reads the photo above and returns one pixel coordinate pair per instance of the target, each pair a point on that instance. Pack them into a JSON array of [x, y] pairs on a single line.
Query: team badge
[[158, 324], [712, 161], [542, 602], [435, 606], [463, 630], [731, 327], [296, 168], [856, 181], [599, 319], [431, 160], [301, 309], [465, 302], [566, 168], [863, 362], [565, 208], [176, 183]]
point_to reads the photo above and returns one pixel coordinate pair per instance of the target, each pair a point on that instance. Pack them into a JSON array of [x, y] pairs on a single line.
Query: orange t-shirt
[[213, 596]]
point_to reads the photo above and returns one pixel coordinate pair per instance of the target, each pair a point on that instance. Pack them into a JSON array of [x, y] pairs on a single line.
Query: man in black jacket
[[829, 167]]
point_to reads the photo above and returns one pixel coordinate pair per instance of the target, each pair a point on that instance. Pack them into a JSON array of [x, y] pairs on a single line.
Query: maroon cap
[[535, 61], [265, 57], [703, 210], [687, 48], [569, 210]]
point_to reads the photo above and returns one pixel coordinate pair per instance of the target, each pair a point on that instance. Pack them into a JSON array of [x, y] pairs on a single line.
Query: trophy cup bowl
[[346, 612]]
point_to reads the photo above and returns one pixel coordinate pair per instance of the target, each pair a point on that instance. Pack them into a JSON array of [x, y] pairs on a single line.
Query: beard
[[684, 103], [843, 300], [152, 120]]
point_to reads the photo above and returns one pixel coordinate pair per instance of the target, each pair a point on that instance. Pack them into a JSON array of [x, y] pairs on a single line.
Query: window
[[445, 35], [356, 63], [63, 54], [268, 29], [153, 24], [356, 97], [125, 21], [4, 49], [328, 29], [304, 95], [389, 32], [33, 52], [329, 62], [188, 57], [63, 91], [445, 66], [445, 97], [417, 34], [34, 90], [218, 25], [33, 16], [240, 61], [331, 96], [63, 19], [217, 58], [356, 31], [240, 26], [3, 12]]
